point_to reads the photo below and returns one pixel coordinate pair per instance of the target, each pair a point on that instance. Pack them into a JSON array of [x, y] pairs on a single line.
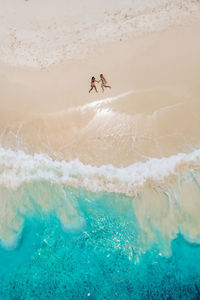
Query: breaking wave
[[164, 193]]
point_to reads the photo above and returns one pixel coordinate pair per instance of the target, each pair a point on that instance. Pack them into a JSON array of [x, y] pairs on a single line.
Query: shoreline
[[162, 68]]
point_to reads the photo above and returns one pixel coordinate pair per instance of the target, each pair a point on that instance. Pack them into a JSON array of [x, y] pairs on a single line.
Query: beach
[[82, 170], [162, 86]]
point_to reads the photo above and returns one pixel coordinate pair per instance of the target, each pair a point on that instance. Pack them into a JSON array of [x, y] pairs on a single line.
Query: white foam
[[29, 183], [17, 168]]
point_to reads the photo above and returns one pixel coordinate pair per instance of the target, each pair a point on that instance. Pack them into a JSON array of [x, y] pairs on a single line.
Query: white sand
[[40, 108]]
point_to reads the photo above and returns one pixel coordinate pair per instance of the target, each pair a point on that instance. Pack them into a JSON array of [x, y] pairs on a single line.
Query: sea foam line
[[17, 168], [96, 105]]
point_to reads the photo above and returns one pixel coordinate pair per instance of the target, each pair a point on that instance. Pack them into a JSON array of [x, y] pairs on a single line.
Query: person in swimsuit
[[103, 82], [93, 86]]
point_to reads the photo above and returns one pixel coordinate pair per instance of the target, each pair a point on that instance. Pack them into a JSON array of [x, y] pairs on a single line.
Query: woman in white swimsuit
[[103, 82]]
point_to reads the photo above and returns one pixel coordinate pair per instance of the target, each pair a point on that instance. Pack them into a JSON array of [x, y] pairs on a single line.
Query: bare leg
[[95, 89], [91, 89], [107, 86], [102, 88]]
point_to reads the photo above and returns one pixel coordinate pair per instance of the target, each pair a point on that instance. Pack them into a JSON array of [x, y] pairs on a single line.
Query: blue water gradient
[[100, 260]]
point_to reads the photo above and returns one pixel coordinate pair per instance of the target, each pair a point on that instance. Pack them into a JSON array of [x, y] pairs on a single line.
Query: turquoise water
[[100, 258]]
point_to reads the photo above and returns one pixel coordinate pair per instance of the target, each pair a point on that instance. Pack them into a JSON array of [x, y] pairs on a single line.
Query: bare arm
[[104, 80]]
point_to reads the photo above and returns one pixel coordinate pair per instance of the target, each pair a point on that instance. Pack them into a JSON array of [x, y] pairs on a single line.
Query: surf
[[157, 189], [55, 234]]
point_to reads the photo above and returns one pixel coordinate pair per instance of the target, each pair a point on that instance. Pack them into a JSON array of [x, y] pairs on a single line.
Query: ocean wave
[[17, 168], [164, 193]]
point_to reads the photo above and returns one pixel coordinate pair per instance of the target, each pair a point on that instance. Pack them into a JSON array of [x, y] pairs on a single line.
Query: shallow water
[[60, 241], [100, 258], [121, 130], [121, 221]]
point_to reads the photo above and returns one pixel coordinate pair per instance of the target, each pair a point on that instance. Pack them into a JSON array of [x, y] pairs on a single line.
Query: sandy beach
[[45, 109]]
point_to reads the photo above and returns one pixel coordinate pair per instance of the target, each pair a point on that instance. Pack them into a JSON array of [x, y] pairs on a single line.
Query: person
[[103, 82], [93, 86]]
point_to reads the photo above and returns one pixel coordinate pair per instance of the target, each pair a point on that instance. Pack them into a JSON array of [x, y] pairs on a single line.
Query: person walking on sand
[[103, 83], [93, 86]]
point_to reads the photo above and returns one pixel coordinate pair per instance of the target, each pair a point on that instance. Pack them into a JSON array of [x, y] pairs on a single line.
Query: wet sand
[[44, 110]]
